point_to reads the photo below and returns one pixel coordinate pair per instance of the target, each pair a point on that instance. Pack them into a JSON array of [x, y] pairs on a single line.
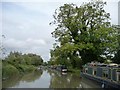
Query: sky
[[25, 24]]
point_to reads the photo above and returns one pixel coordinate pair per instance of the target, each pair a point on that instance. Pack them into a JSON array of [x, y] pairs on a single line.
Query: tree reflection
[[64, 81], [29, 77], [11, 82]]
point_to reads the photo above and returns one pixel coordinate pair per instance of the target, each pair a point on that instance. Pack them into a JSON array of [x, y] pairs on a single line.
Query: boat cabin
[[105, 71]]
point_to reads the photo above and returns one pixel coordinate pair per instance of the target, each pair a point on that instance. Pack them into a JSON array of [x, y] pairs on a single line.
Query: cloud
[[36, 42], [28, 43], [12, 43]]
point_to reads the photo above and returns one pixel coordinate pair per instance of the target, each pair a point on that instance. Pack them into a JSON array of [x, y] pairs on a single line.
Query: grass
[[74, 70]]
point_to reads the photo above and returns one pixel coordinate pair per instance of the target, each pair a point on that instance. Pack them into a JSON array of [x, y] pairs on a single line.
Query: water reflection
[[64, 80], [10, 82], [29, 77], [48, 78]]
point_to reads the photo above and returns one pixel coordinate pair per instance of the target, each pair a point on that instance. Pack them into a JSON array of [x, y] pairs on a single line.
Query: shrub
[[9, 71], [26, 68]]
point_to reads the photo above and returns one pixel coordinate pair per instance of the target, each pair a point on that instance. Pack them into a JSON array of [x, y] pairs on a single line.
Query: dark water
[[47, 78]]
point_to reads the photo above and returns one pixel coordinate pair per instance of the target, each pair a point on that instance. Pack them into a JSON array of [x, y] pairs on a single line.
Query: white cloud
[[29, 43], [35, 42]]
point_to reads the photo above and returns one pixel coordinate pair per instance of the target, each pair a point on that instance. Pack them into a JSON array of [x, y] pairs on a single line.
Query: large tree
[[85, 32], [116, 59]]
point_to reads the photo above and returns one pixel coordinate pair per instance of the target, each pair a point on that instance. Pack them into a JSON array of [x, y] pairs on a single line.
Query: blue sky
[[25, 24]]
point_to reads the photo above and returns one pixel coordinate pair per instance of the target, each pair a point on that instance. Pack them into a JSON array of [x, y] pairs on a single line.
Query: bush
[[9, 71], [26, 68]]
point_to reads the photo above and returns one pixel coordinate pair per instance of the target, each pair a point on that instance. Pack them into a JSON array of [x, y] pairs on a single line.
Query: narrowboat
[[107, 75], [62, 68]]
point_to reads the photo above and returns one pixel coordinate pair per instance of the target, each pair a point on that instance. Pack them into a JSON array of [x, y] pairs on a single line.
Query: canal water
[[48, 78]]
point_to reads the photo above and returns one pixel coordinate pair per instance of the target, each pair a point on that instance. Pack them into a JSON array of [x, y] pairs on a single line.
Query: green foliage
[[107, 61], [76, 71], [26, 59], [36, 60], [84, 34], [45, 63], [116, 59], [17, 63], [9, 70], [26, 68]]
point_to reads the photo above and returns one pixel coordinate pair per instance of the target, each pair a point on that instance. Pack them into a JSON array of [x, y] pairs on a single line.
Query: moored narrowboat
[[62, 68], [107, 75]]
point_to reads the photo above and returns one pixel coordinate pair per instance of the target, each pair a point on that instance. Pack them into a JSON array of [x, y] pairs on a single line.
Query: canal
[[48, 78]]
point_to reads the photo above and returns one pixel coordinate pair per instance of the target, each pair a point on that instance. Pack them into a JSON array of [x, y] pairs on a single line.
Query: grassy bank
[[74, 70]]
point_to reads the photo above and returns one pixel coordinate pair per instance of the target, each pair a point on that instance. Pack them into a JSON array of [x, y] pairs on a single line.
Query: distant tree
[[2, 49], [45, 64], [16, 58], [35, 59]]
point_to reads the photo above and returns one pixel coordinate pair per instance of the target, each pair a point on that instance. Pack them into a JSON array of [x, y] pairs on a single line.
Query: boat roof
[[102, 64]]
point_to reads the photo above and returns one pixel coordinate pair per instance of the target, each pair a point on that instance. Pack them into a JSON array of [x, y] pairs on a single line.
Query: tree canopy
[[84, 33], [116, 59], [16, 58]]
